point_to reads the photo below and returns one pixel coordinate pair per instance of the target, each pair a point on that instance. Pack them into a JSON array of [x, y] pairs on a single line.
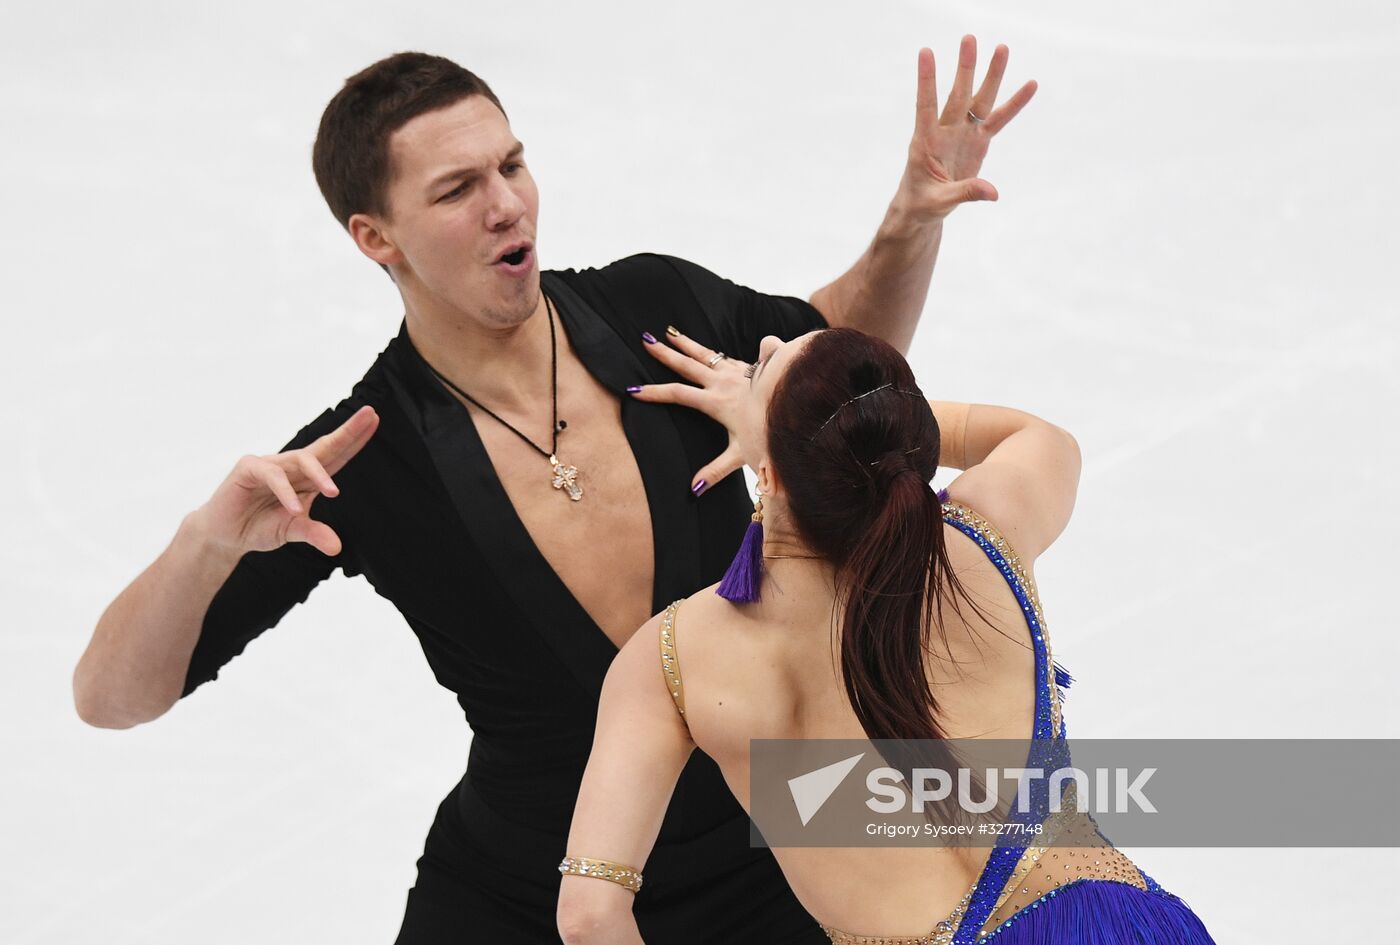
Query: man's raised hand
[[946, 152], [266, 501]]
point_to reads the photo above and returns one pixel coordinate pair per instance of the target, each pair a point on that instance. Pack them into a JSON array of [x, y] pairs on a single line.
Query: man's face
[[462, 212]]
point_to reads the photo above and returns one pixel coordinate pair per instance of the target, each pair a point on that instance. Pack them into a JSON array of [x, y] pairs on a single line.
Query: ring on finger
[[974, 117], [719, 356]]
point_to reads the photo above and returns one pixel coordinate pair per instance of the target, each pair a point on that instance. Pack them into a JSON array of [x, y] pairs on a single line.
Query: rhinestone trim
[[624, 876], [941, 934], [670, 665], [1004, 556]]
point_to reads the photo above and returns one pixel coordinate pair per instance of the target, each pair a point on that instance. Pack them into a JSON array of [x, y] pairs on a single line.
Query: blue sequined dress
[[1078, 889]]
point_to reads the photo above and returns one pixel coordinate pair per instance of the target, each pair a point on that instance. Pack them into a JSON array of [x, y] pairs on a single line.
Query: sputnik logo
[[813, 789]]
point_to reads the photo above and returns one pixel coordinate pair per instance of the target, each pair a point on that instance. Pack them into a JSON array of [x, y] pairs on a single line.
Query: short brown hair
[[351, 154]]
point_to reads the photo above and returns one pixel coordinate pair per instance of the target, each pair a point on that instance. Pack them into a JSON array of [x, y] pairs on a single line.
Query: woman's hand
[[721, 395]]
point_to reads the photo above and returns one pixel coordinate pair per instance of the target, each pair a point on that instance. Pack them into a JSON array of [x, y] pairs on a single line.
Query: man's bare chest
[[601, 545]]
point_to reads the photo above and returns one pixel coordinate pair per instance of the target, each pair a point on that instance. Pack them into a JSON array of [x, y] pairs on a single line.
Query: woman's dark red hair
[[859, 494]]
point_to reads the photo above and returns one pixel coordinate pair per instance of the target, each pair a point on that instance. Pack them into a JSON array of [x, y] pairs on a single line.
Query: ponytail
[[856, 459], [888, 585], [891, 588]]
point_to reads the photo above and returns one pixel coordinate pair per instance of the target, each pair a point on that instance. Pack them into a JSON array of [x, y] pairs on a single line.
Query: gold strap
[[624, 876], [669, 664]]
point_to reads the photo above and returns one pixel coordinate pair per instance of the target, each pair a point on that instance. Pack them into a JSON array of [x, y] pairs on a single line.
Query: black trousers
[[482, 878]]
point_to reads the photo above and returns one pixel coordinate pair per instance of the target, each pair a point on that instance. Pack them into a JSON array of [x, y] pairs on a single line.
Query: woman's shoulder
[[717, 617], [714, 641], [983, 514], [757, 646]]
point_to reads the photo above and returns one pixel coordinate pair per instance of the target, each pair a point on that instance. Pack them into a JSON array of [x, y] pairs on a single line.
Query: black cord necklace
[[565, 476]]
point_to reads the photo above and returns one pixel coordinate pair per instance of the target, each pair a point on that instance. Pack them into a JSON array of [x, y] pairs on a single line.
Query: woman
[[845, 445]]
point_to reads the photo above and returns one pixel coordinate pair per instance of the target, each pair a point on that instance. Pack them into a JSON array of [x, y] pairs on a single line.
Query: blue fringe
[[1102, 912], [740, 583], [1062, 677]]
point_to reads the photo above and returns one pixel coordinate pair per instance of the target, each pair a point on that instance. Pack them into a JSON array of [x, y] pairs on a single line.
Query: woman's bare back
[[771, 669]]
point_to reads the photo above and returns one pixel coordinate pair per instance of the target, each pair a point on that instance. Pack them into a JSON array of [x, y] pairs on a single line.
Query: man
[[501, 476]]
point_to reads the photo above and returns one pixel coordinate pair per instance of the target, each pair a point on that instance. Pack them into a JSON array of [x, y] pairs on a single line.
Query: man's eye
[[455, 191], [513, 167]]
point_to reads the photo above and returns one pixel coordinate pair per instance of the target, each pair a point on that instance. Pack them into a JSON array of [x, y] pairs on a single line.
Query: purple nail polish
[[698, 488], [633, 389], [647, 337]]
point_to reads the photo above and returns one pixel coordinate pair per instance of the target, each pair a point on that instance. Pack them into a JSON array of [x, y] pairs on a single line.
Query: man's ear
[[373, 239]]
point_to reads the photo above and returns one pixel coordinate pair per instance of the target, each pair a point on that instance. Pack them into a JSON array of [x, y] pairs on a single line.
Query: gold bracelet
[[624, 876]]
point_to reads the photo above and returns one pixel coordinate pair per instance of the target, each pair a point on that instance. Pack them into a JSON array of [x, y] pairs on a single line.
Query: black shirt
[[424, 518]]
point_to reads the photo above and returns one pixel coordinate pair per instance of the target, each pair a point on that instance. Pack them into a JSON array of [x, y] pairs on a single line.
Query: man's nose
[[505, 207]]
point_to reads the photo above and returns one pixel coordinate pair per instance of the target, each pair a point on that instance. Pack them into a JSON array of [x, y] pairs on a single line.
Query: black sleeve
[[742, 317], [265, 585], [738, 317]]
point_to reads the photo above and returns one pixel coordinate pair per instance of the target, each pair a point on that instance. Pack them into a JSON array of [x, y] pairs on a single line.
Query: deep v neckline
[[491, 520]]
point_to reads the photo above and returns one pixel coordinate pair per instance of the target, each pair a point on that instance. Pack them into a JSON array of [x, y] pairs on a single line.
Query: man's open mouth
[[516, 256]]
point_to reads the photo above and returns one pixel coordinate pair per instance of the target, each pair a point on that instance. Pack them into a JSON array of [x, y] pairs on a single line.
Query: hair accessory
[[740, 583], [890, 384], [906, 453], [624, 876]]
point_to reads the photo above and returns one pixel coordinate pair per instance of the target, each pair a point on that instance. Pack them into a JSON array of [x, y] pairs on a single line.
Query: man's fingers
[[986, 96], [977, 189], [926, 99], [318, 535], [337, 447], [311, 467], [998, 119], [951, 195], [962, 81], [274, 477]]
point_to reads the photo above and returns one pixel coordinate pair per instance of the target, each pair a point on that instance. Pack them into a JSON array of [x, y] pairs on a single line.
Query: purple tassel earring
[[740, 584]]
